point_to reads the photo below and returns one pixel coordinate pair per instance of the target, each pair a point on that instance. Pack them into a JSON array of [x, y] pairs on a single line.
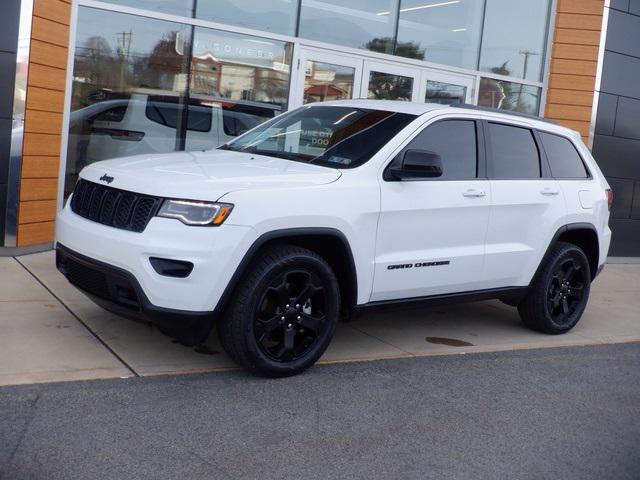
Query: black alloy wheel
[[566, 289], [291, 315], [283, 313], [558, 295]]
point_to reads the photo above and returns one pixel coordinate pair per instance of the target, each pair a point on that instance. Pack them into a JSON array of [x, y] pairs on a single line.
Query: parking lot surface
[[556, 413], [49, 331]]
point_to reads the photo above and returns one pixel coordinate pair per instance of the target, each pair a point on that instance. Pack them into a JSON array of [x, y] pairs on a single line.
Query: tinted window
[[513, 152], [564, 160], [115, 114], [455, 142], [238, 118], [166, 112]]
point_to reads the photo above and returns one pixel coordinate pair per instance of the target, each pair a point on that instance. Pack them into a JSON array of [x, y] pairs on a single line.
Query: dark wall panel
[[627, 72], [625, 237], [617, 157], [616, 145], [623, 33], [607, 106], [7, 80], [628, 118], [9, 25]]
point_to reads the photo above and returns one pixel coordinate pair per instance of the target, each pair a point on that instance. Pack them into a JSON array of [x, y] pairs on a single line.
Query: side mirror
[[417, 164]]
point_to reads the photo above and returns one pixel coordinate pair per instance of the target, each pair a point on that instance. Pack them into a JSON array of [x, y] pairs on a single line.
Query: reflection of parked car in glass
[[142, 123], [148, 123]]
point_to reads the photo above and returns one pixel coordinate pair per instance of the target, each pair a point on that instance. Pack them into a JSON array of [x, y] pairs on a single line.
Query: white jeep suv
[[336, 208]]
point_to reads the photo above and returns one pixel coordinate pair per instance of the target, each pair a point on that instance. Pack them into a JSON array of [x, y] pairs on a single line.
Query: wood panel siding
[[574, 58], [43, 121]]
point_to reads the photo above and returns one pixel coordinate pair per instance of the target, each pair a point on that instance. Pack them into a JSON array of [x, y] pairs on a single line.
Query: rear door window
[[564, 159], [513, 152]]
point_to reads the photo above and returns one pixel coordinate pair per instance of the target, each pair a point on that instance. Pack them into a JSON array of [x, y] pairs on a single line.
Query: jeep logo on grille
[[106, 178]]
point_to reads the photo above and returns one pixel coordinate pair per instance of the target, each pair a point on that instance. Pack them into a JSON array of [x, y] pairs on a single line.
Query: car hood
[[205, 175]]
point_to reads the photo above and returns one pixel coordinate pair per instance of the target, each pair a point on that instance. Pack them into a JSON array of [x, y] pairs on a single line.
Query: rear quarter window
[[564, 159]]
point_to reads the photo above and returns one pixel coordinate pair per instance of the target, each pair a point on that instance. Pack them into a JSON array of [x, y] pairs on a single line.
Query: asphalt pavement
[[555, 413]]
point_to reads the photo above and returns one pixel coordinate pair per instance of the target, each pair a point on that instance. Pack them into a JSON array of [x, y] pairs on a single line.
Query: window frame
[[570, 140], [545, 171], [481, 164]]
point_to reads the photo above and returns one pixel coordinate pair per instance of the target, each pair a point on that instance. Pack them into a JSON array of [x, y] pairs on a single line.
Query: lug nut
[[290, 325], [298, 317], [297, 305], [281, 318], [287, 306]]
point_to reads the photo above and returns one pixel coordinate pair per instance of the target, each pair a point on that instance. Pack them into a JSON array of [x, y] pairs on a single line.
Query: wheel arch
[[583, 235], [329, 243]]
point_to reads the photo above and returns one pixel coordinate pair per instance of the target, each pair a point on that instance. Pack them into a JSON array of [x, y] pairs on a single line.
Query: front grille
[[113, 207]]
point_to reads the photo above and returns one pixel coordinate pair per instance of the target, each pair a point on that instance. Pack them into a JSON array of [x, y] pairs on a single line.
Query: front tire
[[283, 314], [559, 294]]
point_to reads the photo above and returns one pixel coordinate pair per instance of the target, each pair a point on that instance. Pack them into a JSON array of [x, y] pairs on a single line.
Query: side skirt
[[509, 295]]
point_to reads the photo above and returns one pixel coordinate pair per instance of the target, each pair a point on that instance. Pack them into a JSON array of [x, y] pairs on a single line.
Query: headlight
[[191, 212]]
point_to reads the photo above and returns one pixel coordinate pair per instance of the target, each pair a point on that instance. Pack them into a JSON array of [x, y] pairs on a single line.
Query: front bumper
[[118, 291], [215, 253]]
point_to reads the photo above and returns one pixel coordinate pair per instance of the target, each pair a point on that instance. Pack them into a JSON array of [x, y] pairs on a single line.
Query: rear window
[[238, 118], [166, 111], [513, 152], [564, 159]]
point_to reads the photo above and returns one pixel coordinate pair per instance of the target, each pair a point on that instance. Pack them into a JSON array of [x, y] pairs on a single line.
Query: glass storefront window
[[445, 93], [325, 81], [513, 38], [446, 32], [244, 79], [509, 96], [175, 7], [139, 86], [368, 24], [277, 16], [387, 86], [121, 63]]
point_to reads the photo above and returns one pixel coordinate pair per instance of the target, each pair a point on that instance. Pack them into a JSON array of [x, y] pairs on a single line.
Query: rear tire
[[283, 313], [558, 295]]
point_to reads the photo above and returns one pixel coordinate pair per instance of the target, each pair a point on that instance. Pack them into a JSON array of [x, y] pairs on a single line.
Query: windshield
[[339, 137]]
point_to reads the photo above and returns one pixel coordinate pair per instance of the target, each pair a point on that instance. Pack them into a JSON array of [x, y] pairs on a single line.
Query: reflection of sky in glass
[[145, 32], [447, 31], [278, 16], [176, 7], [515, 33], [352, 23]]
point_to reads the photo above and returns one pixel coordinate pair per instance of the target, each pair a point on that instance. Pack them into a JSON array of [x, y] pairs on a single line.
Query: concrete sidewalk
[[50, 332]]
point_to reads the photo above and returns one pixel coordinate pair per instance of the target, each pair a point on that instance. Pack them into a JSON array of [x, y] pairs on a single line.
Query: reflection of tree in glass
[[383, 86], [507, 95], [161, 67], [403, 49]]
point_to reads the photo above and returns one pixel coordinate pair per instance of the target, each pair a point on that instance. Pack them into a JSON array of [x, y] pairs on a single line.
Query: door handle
[[472, 192], [549, 191]]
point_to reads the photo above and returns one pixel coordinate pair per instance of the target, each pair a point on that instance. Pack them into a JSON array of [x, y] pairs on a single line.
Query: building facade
[[93, 79]]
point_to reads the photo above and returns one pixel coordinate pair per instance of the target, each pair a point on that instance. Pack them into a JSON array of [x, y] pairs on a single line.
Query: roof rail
[[507, 112]]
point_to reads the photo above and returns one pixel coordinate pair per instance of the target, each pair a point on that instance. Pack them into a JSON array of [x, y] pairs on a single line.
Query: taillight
[[117, 134], [609, 198]]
